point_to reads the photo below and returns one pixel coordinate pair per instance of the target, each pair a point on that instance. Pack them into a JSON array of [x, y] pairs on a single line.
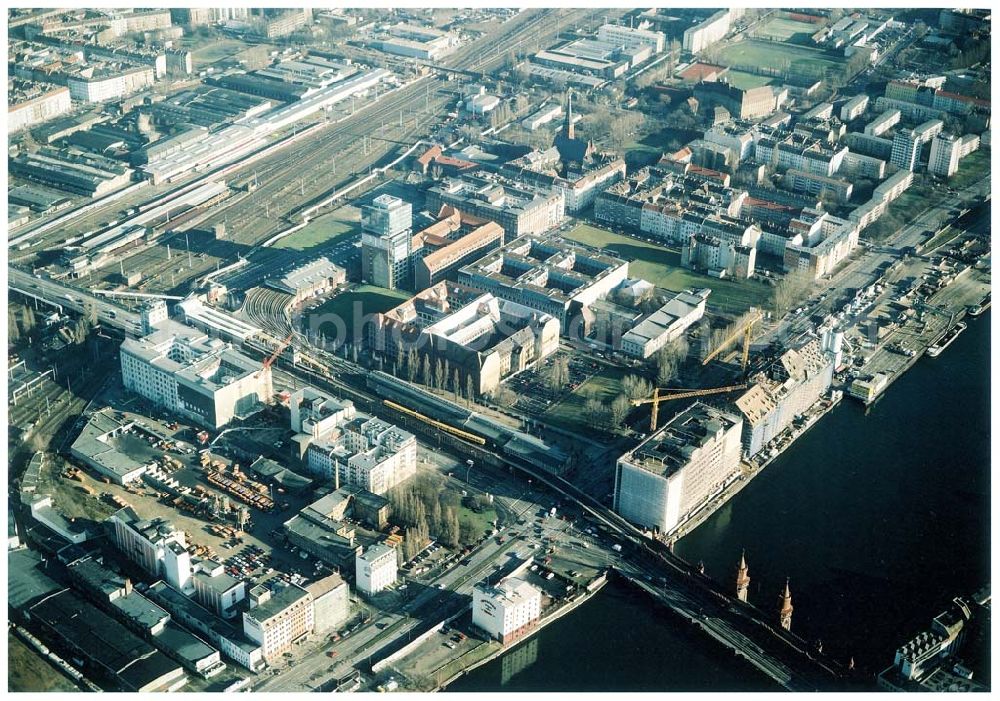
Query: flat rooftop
[[672, 447]]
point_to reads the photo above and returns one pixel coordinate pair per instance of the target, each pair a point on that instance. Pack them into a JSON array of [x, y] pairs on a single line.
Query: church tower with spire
[[568, 129], [742, 579], [785, 612]]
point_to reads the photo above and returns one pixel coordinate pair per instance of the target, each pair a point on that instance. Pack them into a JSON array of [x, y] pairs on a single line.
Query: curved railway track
[[268, 309]]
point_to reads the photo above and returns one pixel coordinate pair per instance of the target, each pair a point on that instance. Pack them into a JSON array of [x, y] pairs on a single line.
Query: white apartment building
[[506, 611], [202, 379], [944, 155], [40, 107], [740, 140], [883, 123], [375, 569], [367, 452], [947, 151], [708, 32], [112, 86], [907, 143], [631, 38], [854, 108], [799, 154], [659, 484]]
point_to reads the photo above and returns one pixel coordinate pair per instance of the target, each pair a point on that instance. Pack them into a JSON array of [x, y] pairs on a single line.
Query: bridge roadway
[[55, 293], [743, 628]]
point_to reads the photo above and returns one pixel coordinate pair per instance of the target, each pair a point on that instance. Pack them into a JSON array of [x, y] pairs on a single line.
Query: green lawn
[[662, 267], [605, 386], [971, 169], [652, 146], [324, 231], [347, 311], [746, 81], [767, 54], [215, 51], [480, 522]]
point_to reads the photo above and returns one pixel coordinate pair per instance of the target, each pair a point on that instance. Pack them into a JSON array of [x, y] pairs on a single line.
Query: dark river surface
[[878, 518]]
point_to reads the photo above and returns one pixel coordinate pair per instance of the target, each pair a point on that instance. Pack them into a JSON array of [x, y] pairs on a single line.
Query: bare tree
[[505, 396], [636, 387], [620, 409], [594, 413], [558, 374], [790, 290]]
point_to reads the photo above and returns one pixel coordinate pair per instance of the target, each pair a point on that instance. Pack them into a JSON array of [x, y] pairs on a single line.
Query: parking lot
[[534, 394]]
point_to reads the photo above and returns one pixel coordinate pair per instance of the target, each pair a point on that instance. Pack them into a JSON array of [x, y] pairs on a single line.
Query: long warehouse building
[[236, 141]]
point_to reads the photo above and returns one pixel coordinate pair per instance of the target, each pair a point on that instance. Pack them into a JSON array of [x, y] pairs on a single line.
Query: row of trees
[[666, 363], [439, 375]]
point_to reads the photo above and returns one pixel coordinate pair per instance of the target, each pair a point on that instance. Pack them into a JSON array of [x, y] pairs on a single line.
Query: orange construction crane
[[678, 394], [277, 351], [746, 329]]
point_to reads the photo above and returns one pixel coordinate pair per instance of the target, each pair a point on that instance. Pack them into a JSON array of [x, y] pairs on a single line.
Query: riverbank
[[566, 608], [878, 516], [751, 468]]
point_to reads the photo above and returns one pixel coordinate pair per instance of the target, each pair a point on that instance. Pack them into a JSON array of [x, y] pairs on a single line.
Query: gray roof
[[281, 599], [174, 600], [221, 582], [184, 644], [141, 610], [26, 579], [94, 446]]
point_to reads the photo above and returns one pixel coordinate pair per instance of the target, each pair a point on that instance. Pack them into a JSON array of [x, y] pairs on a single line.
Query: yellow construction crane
[[745, 329], [678, 394]]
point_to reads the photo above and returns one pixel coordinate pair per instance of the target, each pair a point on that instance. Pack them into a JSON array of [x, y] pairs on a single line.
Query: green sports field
[[746, 81], [786, 57], [324, 231], [783, 29], [661, 266]]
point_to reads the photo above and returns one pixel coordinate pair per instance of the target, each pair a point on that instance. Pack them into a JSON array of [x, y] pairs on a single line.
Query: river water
[[878, 518]]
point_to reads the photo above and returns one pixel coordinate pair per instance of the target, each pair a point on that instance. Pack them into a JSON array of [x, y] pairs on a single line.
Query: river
[[878, 518]]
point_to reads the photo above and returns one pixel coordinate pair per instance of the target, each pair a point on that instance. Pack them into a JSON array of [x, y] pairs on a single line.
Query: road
[[862, 270], [69, 297], [437, 599]]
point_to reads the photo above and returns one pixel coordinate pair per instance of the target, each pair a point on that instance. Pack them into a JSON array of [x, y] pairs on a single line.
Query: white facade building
[[368, 452], [854, 108], [506, 611], [38, 108], [947, 151], [631, 38], [659, 484], [664, 325], [278, 618], [204, 380], [375, 569], [708, 32], [317, 414], [156, 546]]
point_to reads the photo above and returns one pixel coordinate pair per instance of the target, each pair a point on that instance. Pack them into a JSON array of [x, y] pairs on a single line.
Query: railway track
[[268, 309], [305, 171]]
